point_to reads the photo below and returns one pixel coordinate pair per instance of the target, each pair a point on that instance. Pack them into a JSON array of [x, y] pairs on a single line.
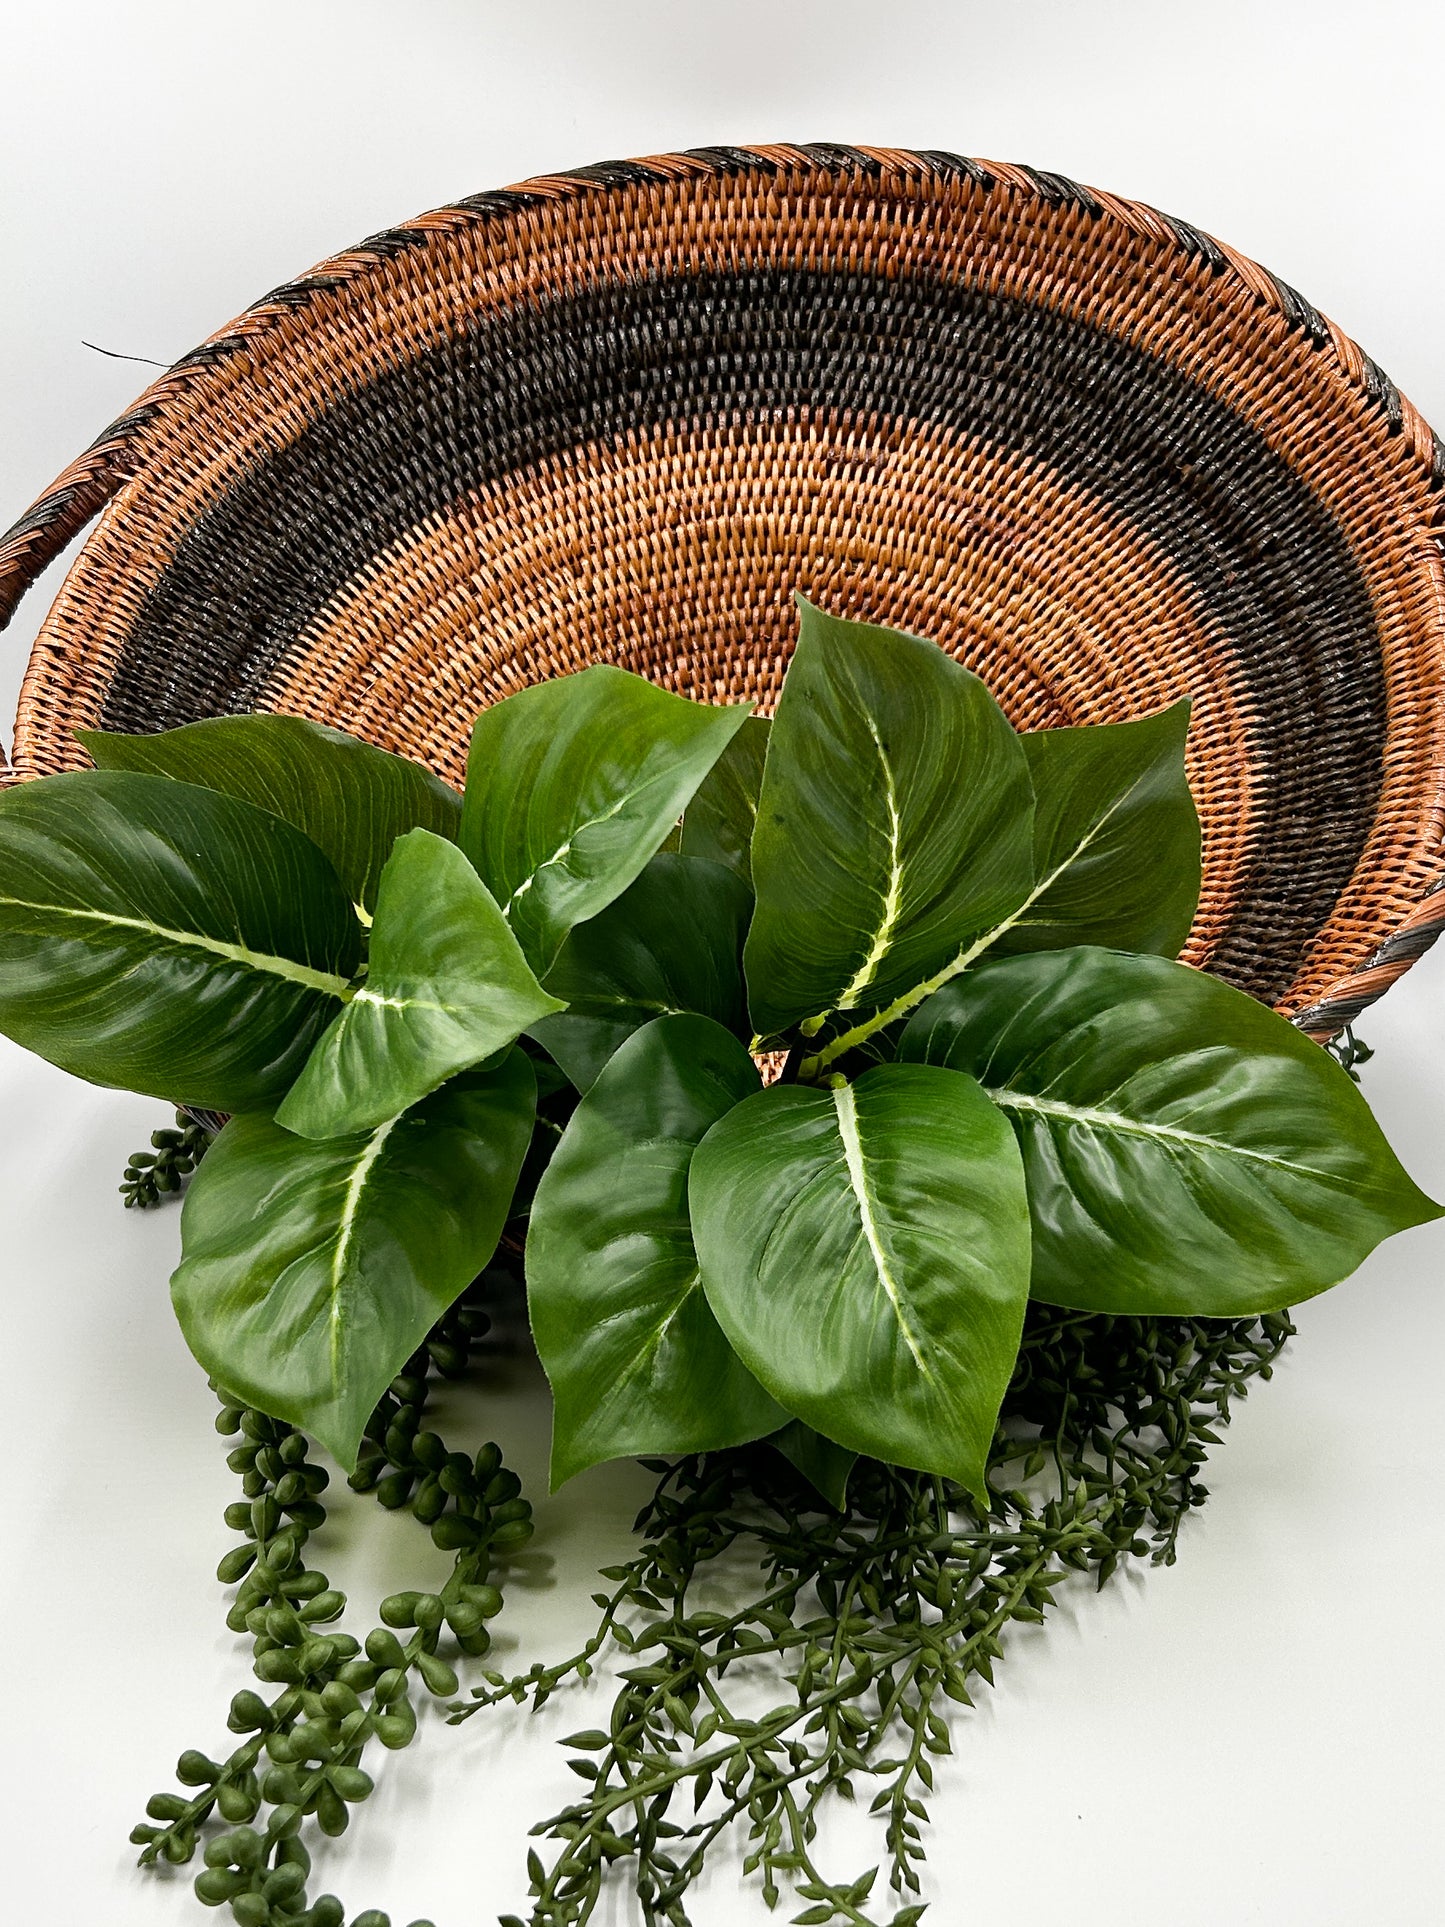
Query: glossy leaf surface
[[824, 1465], [671, 942], [167, 939], [719, 821], [446, 986], [895, 821], [866, 1250], [633, 1352], [1116, 838], [1187, 1150], [311, 1270], [352, 799], [572, 786]]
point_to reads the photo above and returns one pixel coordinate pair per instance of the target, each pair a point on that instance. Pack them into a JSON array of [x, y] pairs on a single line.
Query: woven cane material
[[621, 415]]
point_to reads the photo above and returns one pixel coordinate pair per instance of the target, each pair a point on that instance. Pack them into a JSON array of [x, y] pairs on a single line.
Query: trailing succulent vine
[[161, 1169], [874, 1623], [874, 1620], [299, 1758]]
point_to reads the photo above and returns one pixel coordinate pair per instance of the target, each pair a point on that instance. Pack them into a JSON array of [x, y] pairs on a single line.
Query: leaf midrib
[[567, 845], [909, 1000], [379, 1000], [655, 1331], [846, 1107], [882, 938], [346, 1231], [275, 966], [1092, 1118]]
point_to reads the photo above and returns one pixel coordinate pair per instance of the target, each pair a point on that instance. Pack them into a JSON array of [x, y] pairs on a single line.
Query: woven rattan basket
[[622, 414]]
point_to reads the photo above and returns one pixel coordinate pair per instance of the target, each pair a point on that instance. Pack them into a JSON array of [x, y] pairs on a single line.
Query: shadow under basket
[[622, 414]]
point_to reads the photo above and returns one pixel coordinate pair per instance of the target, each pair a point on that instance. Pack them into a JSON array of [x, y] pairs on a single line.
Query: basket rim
[[89, 482]]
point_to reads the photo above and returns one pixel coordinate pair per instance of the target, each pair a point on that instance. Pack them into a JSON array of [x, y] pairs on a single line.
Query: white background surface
[[1254, 1736]]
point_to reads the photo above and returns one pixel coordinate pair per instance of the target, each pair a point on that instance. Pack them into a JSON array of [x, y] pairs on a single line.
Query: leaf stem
[[812, 1068]]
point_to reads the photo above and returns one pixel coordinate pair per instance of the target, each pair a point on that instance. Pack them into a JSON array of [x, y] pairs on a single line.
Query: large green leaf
[[167, 939], [671, 942], [446, 986], [1187, 1150], [352, 799], [719, 821], [826, 1467], [895, 823], [311, 1271], [866, 1250], [1116, 838], [572, 786], [635, 1357]]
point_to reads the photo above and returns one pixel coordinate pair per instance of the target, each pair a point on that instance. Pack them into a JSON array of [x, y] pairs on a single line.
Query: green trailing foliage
[[875, 1617], [327, 1701], [1349, 1052], [869, 1627]]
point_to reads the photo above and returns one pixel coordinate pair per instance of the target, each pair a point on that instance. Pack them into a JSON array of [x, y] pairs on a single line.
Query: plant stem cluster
[[873, 1622], [299, 1756], [1349, 1051]]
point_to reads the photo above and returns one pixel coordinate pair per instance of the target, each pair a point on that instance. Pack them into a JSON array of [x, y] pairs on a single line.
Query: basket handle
[[54, 519], [75, 497]]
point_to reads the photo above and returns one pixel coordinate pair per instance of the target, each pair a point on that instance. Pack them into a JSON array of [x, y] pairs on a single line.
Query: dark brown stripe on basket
[[675, 554], [1124, 428]]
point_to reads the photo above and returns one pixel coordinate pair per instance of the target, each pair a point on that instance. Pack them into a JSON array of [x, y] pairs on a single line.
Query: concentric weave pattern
[[623, 415]]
